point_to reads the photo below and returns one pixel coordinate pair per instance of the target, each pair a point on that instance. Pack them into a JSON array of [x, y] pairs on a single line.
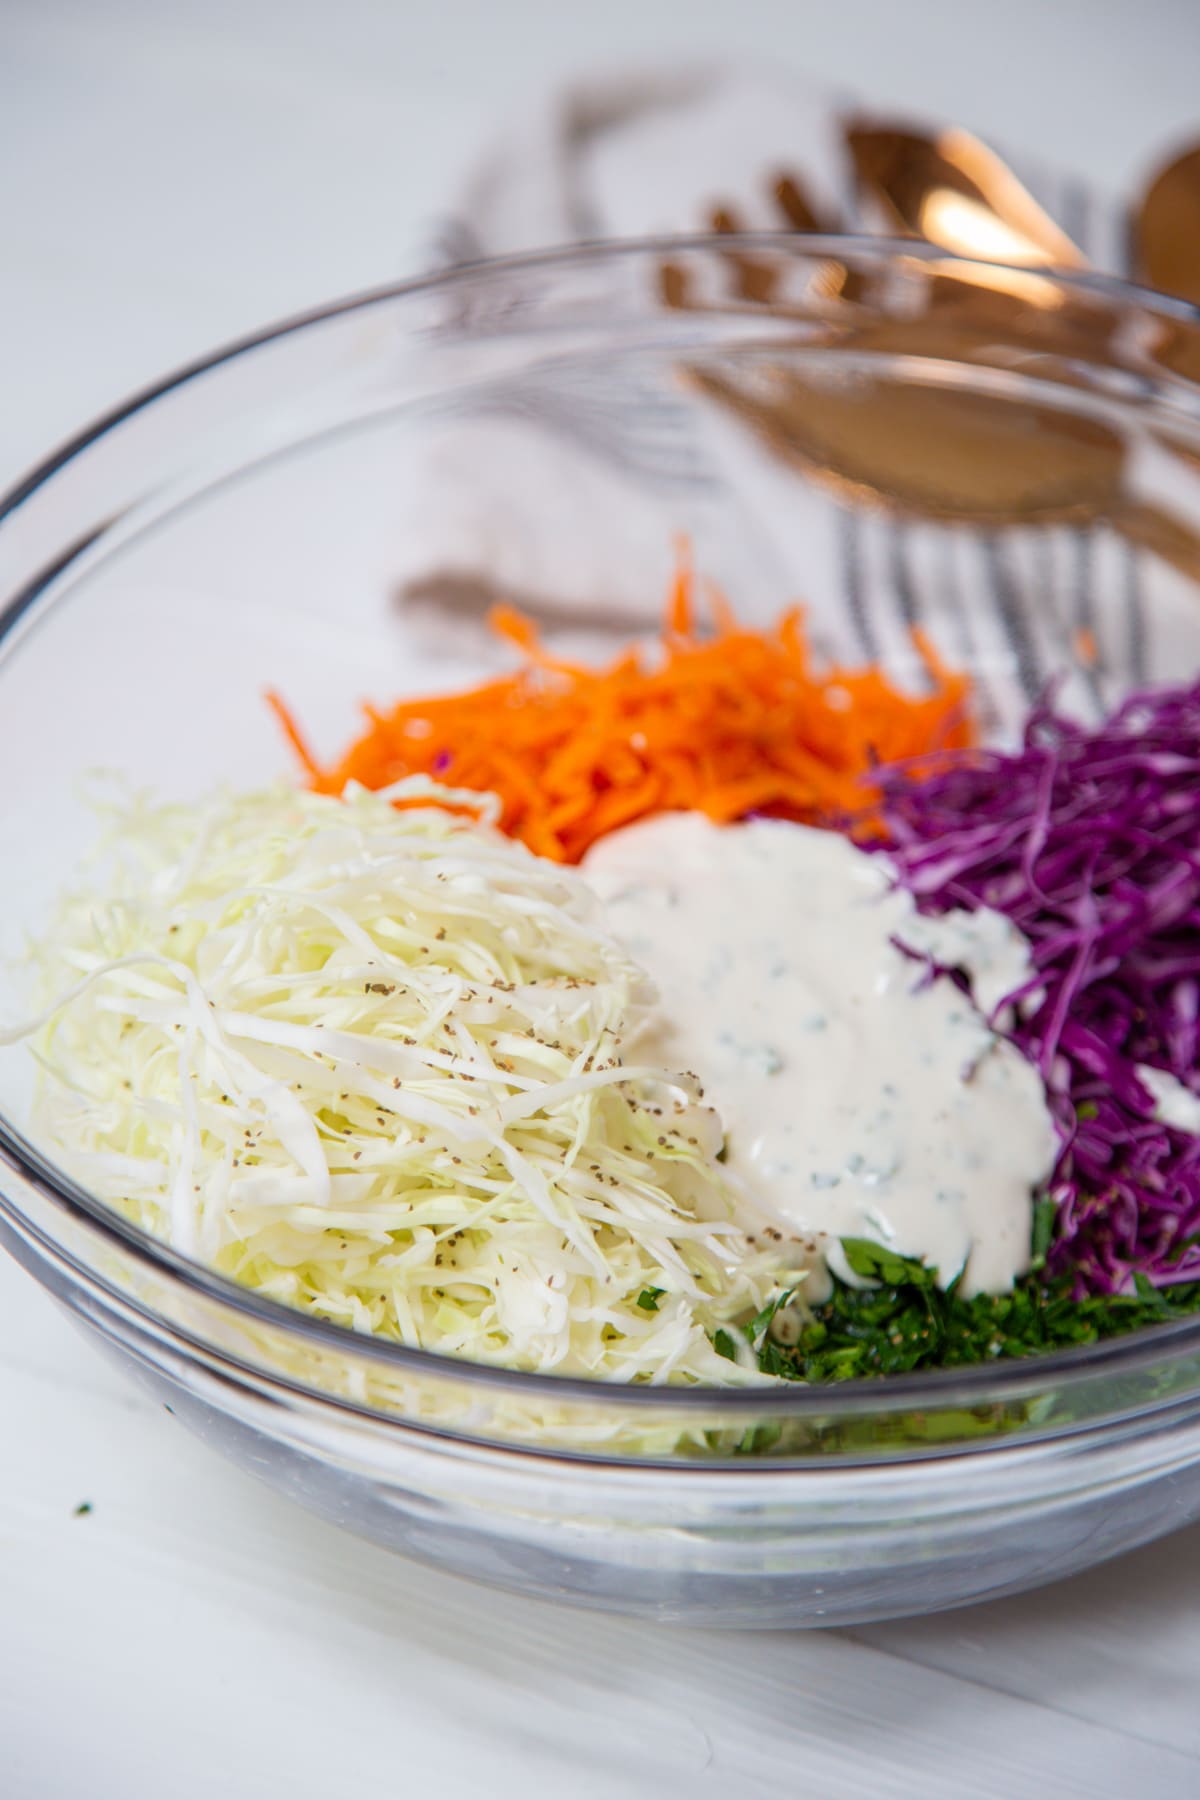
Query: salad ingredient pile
[[369, 1063], [729, 724], [1089, 841]]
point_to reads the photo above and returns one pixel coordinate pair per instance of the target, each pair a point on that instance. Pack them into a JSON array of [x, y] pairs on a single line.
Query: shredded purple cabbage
[[1089, 840]]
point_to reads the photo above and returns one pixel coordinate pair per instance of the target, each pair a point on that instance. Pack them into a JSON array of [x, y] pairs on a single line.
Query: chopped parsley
[[905, 1321]]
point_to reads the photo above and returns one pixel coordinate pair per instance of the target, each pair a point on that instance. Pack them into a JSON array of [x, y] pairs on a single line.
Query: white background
[[174, 172]]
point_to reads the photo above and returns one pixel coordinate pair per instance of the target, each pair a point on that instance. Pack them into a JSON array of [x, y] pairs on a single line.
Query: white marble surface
[[176, 172]]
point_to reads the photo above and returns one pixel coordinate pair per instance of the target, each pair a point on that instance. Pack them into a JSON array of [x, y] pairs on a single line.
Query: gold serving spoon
[[1166, 248], [1166, 233], [940, 453]]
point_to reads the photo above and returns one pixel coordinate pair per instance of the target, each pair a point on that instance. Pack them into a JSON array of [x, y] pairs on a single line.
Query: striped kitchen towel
[[635, 155]]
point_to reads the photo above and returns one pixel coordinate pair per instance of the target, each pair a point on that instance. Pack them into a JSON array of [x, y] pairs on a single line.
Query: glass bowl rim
[[971, 1384]]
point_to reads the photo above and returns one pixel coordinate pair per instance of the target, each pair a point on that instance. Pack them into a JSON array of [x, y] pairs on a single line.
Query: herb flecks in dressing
[[861, 1095]]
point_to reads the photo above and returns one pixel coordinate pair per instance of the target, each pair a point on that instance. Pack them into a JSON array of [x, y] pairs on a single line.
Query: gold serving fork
[[910, 441]]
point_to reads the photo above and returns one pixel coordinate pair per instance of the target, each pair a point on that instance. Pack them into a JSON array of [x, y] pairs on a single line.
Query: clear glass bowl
[[1010, 459]]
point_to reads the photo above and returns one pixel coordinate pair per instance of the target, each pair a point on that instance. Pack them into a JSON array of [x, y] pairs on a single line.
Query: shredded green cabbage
[[368, 1061]]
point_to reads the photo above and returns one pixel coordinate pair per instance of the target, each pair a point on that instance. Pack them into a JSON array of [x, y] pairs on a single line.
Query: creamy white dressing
[[860, 1096], [1174, 1104]]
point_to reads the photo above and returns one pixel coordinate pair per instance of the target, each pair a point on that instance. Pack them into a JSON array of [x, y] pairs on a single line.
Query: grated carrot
[[729, 724]]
